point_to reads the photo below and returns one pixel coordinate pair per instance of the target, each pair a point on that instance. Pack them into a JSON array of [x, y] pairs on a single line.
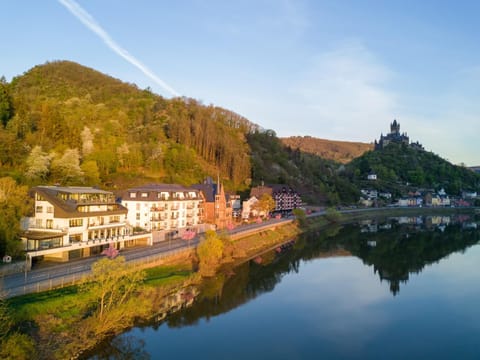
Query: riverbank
[[63, 323]]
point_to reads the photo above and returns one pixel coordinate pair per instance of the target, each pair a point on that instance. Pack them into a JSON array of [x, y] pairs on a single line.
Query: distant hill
[[401, 168], [339, 151]]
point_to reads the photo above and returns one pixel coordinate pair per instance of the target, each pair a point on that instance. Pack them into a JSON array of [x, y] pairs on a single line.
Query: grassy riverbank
[[66, 322], [63, 323]]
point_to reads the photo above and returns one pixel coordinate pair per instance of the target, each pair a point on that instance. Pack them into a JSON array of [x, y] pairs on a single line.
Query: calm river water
[[397, 288]]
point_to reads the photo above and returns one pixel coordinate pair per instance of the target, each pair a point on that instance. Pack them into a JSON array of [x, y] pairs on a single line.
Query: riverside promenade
[[56, 275]]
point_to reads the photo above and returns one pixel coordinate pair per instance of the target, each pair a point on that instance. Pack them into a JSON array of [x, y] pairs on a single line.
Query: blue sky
[[340, 70]]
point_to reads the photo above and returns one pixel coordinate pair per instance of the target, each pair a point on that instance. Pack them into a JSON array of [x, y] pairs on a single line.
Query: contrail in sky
[[90, 23]]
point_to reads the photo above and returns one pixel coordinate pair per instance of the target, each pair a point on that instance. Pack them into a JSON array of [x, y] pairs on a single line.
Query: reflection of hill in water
[[394, 249], [406, 245]]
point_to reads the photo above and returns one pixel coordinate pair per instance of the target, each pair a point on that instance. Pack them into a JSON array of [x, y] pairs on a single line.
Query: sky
[[338, 69]]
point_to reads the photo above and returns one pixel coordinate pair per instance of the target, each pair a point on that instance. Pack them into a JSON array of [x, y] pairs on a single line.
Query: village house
[[217, 210], [285, 197], [249, 209], [236, 205], [372, 176], [167, 210], [74, 222]]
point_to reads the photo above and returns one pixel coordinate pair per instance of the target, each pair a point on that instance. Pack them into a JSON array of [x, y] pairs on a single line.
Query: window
[[38, 223], [39, 209], [144, 194], [75, 238], [50, 209], [115, 219], [138, 206], [49, 224], [40, 197], [137, 216], [76, 222], [133, 195]]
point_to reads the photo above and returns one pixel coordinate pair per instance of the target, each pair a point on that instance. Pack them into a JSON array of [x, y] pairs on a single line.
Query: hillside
[[318, 179], [72, 124], [339, 151], [68, 124], [400, 168]]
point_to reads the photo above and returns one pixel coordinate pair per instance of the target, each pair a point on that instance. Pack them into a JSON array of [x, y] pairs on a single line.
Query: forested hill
[[401, 168], [339, 151], [66, 123]]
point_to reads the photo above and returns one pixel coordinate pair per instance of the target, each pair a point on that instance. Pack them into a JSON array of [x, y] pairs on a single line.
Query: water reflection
[[334, 302], [123, 348], [395, 247], [401, 246]]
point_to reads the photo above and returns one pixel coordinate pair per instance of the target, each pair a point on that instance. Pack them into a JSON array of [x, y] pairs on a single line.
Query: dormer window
[[133, 195], [144, 195]]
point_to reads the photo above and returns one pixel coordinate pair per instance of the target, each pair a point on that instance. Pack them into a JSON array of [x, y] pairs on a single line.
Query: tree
[[66, 169], [265, 204], [210, 253], [5, 319], [6, 106], [87, 141], [114, 283], [91, 172], [300, 216], [13, 345], [38, 164], [14, 204], [332, 215]]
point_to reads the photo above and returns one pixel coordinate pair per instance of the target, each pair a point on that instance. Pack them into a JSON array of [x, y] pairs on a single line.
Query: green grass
[[68, 302], [64, 302], [165, 275]]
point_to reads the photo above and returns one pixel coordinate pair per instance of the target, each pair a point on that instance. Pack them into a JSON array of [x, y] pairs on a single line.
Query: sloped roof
[[208, 190], [69, 208], [153, 189]]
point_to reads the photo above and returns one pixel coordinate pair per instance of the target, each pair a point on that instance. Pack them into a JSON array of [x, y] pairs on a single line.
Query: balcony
[[97, 225], [32, 226]]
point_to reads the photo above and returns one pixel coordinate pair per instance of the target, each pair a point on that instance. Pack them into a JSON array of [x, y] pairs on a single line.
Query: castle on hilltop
[[395, 137]]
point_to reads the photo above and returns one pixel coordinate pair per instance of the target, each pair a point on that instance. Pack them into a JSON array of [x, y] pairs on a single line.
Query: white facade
[[248, 208], [79, 219], [163, 207]]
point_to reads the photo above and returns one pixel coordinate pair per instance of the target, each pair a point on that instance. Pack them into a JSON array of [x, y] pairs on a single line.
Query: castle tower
[[395, 127]]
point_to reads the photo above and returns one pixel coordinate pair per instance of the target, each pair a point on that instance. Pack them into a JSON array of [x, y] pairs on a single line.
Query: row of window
[[166, 196], [39, 209], [77, 222], [163, 206], [173, 215]]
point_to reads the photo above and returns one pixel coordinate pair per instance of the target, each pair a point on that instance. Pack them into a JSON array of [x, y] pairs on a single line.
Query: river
[[394, 288]]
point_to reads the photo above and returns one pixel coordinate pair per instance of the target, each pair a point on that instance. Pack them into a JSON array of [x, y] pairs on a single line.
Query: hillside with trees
[[69, 124], [317, 179], [400, 167], [339, 151]]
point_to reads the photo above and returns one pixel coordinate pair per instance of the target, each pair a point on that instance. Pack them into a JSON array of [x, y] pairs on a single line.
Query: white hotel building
[[72, 222], [167, 210]]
